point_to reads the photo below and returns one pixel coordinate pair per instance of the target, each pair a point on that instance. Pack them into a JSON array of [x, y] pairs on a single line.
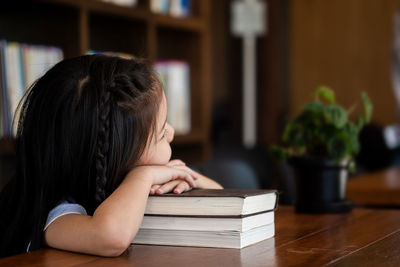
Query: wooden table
[[380, 188], [361, 237]]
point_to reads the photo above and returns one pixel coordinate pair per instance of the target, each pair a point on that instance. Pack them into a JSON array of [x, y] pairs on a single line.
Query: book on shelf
[[228, 218], [159, 6], [179, 8], [3, 96], [126, 3], [175, 77], [111, 53], [175, 8], [15, 83], [21, 65], [5, 104], [213, 202], [37, 60]]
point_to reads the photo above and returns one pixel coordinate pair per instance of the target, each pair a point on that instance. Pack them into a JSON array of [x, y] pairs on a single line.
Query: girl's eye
[[164, 133]]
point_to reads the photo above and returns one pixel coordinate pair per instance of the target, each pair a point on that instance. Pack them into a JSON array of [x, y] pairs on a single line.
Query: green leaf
[[325, 94], [352, 166], [368, 107], [278, 152], [288, 132], [352, 132], [360, 122], [337, 115], [326, 131], [314, 107], [338, 147], [293, 134]]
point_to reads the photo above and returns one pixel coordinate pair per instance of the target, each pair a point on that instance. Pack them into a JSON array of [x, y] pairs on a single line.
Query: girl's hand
[[161, 175], [181, 186], [178, 186], [201, 180], [176, 162]]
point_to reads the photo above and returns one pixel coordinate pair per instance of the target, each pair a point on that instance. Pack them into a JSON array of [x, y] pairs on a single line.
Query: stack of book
[[228, 218]]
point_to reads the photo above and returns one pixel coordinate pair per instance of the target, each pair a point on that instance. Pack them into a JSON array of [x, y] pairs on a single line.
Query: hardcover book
[[213, 202], [218, 239], [197, 223]]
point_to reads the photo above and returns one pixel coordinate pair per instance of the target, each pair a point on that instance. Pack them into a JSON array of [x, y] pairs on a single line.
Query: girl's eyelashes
[[164, 133]]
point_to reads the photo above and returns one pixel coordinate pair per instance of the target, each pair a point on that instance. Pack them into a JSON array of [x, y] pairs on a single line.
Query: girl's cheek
[[171, 133], [170, 154]]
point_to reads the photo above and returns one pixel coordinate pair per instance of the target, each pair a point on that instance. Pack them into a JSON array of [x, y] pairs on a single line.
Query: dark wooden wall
[[345, 44]]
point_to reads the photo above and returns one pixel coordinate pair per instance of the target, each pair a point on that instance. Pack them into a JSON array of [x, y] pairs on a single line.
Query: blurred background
[[217, 53]]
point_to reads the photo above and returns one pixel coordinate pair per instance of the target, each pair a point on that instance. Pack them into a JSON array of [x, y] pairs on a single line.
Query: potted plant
[[320, 144]]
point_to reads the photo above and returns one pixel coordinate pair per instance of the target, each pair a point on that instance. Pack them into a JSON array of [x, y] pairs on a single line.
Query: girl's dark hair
[[82, 127]]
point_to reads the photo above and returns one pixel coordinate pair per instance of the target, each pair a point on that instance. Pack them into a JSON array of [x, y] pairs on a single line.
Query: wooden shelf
[[112, 9], [137, 12], [195, 138], [187, 24]]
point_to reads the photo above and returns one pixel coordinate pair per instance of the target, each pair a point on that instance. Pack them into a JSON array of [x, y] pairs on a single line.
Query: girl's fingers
[[164, 174], [153, 188], [182, 187], [185, 175], [167, 187], [188, 170], [190, 179], [176, 162]]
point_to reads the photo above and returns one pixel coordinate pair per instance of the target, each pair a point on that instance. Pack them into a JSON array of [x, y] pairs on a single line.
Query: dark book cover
[[242, 193], [210, 210], [238, 216]]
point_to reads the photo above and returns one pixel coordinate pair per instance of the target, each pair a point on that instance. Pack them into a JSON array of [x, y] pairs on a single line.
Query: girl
[[92, 143]]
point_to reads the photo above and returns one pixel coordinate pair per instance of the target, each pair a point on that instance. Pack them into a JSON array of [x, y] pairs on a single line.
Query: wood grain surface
[[381, 188], [362, 237]]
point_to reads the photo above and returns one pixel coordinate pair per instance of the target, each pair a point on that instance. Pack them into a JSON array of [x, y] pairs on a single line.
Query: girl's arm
[[116, 221]]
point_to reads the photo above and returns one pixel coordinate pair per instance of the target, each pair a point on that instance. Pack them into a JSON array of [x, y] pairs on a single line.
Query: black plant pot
[[320, 186]]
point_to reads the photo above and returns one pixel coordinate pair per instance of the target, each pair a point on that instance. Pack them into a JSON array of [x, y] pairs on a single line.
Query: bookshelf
[[78, 26]]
